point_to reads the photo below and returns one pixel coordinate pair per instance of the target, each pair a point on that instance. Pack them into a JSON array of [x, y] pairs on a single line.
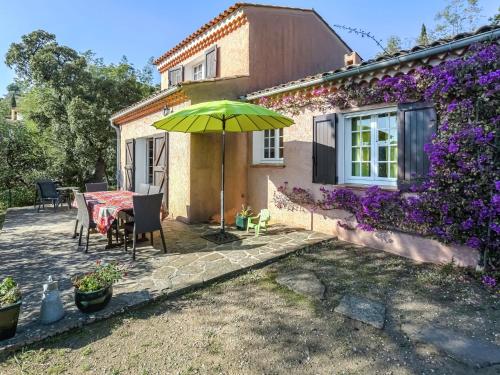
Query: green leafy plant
[[103, 276], [246, 211], [9, 292]]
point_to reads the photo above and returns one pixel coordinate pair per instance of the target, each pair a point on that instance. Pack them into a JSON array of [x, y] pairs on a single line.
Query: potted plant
[[242, 217], [10, 305], [93, 290]]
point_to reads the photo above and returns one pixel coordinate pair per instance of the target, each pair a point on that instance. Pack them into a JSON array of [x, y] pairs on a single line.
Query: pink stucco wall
[[263, 182]]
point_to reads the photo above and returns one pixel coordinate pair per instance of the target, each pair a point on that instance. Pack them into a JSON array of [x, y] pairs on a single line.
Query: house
[[358, 147], [263, 53], [246, 48]]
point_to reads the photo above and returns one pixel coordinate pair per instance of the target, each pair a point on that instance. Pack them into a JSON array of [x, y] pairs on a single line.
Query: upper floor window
[[175, 76], [198, 72], [268, 146]]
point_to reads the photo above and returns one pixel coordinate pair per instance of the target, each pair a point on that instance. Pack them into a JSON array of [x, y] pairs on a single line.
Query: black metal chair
[[83, 218], [153, 189], [146, 219], [96, 186], [46, 191], [143, 189]]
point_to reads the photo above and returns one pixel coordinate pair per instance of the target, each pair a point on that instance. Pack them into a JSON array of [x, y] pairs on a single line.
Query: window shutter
[[417, 122], [130, 164], [324, 149], [211, 62]]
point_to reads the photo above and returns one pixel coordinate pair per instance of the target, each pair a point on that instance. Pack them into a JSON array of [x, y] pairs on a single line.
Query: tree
[[423, 38], [495, 20], [13, 103], [71, 97], [393, 45], [457, 17]]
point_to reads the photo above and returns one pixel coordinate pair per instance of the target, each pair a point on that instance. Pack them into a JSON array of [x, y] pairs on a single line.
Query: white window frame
[[200, 65], [258, 148], [345, 162]]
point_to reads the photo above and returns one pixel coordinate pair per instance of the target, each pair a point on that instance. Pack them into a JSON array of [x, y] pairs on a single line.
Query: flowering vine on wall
[[459, 200]]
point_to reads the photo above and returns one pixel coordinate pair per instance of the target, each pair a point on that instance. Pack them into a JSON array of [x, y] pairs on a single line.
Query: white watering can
[[52, 308]]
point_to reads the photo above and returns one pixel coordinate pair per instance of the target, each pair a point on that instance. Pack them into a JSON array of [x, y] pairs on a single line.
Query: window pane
[[266, 153], [366, 137], [382, 153], [382, 121], [356, 154], [393, 170], [367, 153], [382, 170], [392, 120], [272, 152], [365, 169], [383, 136], [355, 139], [354, 124], [394, 153], [365, 123], [394, 136], [356, 170]]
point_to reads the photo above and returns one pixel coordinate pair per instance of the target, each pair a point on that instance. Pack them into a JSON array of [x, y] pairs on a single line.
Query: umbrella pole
[[222, 174]]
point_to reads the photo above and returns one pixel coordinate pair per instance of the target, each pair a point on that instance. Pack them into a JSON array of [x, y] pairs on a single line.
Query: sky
[[140, 29]]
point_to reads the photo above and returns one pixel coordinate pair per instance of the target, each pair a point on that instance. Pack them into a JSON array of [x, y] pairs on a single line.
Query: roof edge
[[330, 76]]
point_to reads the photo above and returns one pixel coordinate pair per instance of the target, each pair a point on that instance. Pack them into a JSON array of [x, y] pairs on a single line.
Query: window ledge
[[366, 186], [268, 165]]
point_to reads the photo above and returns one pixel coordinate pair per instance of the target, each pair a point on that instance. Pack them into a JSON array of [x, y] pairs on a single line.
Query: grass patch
[[269, 283]]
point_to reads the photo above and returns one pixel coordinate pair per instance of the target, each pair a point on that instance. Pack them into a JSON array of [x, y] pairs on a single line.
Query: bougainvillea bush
[[459, 200]]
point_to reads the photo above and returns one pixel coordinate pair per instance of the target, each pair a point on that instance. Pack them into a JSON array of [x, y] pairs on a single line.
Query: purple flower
[[467, 224], [474, 242], [453, 148], [497, 185], [489, 281]]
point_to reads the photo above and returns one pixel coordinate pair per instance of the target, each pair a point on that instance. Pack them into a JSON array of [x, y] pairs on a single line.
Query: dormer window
[[198, 72]]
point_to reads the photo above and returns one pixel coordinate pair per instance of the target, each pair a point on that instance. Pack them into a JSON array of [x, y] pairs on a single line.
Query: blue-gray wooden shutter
[[417, 122], [211, 62], [325, 149]]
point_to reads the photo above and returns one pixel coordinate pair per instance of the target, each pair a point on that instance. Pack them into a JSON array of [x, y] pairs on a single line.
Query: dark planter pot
[[93, 301], [241, 222], [9, 315]]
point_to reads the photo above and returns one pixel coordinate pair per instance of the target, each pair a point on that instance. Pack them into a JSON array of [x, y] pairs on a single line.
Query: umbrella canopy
[[216, 116], [220, 117]]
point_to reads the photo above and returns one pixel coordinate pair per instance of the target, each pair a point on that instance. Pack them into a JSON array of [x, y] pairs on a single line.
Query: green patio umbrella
[[220, 117]]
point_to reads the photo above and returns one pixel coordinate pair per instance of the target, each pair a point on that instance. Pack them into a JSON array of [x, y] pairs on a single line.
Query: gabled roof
[[488, 32], [228, 12]]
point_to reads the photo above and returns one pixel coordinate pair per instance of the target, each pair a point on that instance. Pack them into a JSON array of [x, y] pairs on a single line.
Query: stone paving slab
[[35, 245], [362, 309], [305, 283], [471, 351]]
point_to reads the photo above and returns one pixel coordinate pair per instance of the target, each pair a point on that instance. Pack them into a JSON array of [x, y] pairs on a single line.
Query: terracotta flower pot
[[89, 302], [9, 316]]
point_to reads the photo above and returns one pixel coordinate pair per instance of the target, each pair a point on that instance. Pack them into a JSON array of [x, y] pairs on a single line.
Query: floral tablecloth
[[104, 206]]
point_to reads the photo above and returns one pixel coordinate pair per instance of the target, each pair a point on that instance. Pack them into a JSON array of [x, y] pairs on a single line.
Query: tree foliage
[[457, 17], [423, 38], [70, 98]]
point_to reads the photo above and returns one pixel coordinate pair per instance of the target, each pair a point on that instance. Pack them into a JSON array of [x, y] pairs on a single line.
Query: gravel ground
[[250, 325]]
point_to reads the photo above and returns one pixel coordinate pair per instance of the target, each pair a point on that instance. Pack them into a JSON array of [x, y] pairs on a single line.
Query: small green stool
[[261, 220]]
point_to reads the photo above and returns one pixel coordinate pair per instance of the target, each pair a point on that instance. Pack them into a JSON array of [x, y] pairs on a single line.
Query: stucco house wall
[[179, 161], [288, 44]]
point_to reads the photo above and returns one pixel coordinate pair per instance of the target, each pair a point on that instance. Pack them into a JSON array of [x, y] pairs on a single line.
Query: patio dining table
[[105, 207]]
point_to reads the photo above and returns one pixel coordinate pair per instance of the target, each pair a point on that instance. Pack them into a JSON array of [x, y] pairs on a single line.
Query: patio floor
[[35, 245]]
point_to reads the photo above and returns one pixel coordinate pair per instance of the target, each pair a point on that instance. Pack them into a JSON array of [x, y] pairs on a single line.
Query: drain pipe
[[118, 153]]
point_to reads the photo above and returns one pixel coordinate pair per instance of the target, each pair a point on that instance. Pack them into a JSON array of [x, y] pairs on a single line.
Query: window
[[150, 161], [175, 76], [268, 146], [371, 150], [198, 72]]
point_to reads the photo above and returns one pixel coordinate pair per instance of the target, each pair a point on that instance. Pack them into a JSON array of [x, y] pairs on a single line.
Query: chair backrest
[[83, 214], [143, 189], [47, 189], [96, 186], [265, 215], [147, 212], [153, 189]]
